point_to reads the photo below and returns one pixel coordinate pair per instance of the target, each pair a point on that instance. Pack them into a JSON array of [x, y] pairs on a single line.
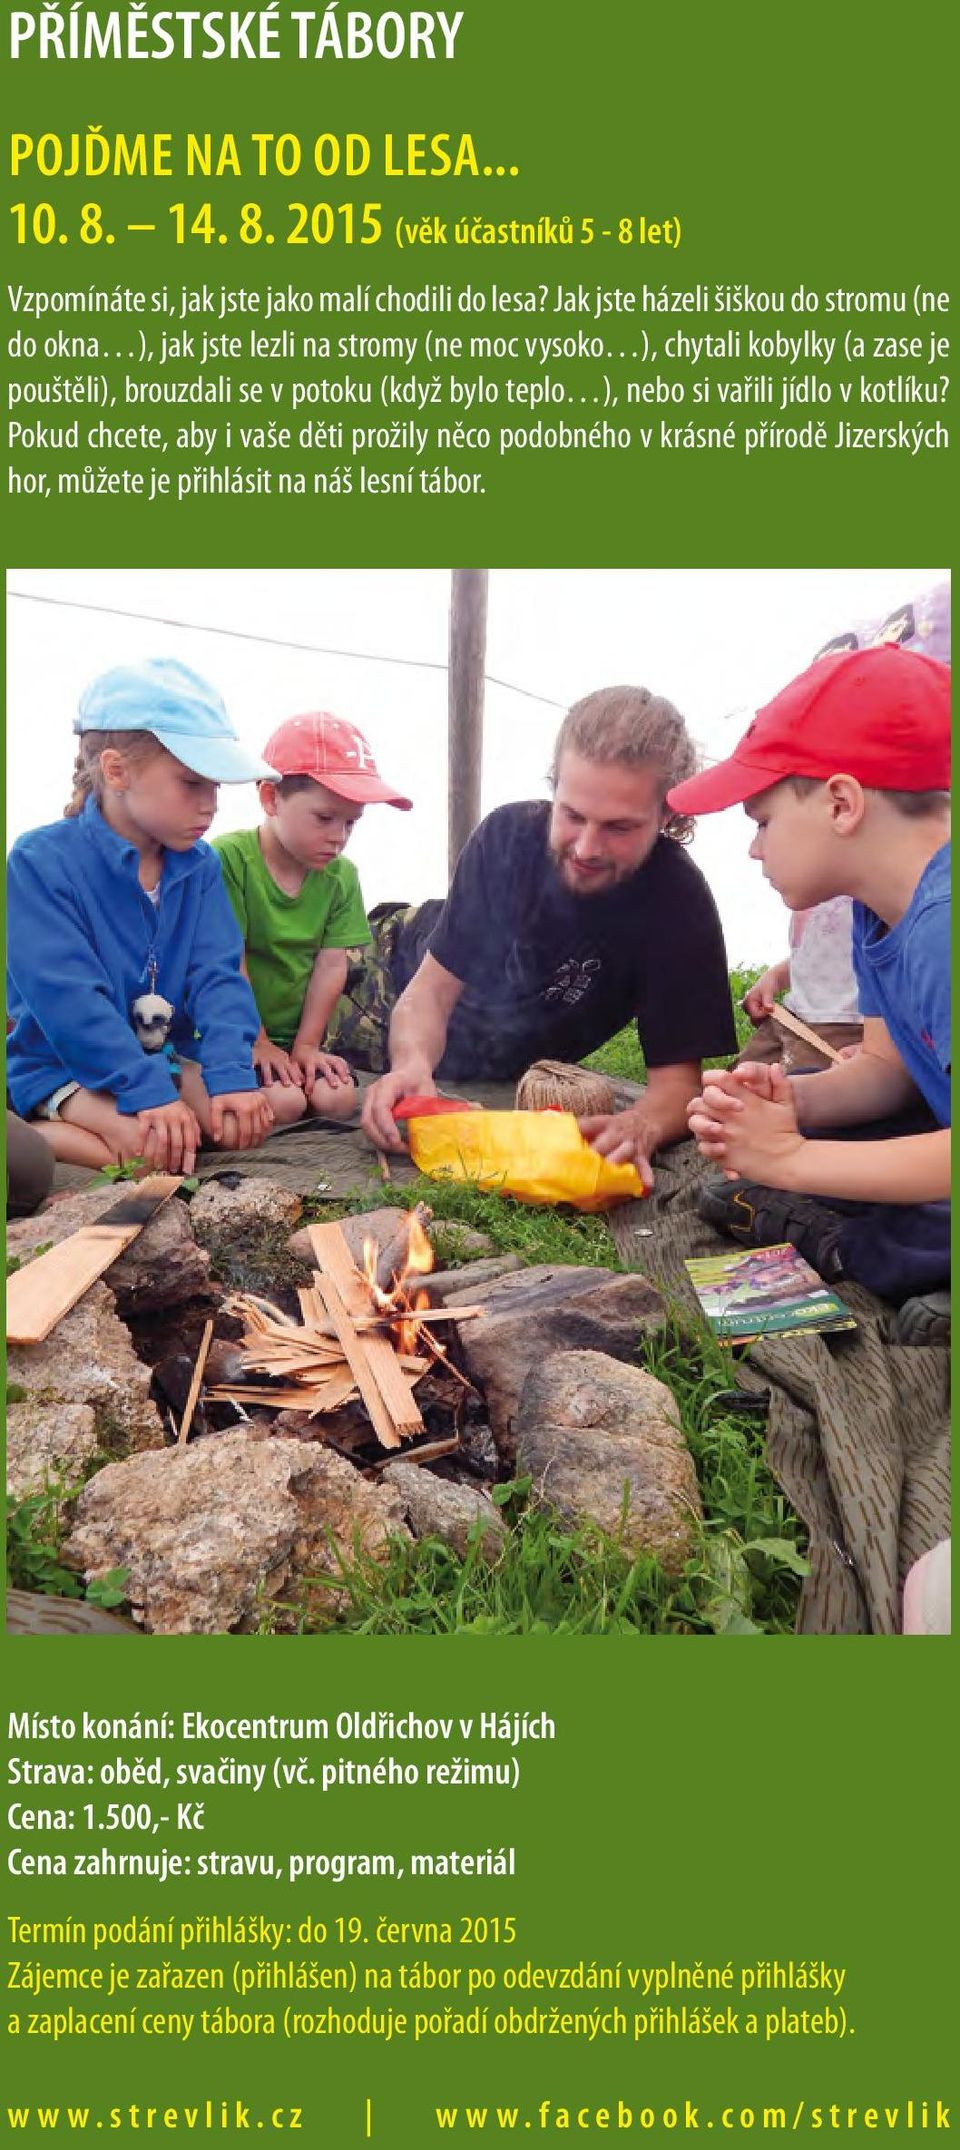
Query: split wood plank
[[391, 1415], [39, 1295], [375, 1354], [194, 1389], [788, 1021], [306, 1395]]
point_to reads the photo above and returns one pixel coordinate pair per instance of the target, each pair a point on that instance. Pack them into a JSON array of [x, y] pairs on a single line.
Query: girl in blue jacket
[[124, 950]]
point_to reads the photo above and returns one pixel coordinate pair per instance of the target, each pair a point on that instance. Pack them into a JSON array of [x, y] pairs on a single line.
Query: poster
[[293, 290]]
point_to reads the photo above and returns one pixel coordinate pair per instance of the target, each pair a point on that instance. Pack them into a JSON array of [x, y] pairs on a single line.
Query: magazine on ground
[[764, 1291]]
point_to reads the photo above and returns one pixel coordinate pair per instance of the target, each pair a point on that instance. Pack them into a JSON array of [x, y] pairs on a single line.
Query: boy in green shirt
[[299, 907]]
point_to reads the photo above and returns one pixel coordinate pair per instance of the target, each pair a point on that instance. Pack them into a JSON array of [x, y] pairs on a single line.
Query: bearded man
[[565, 920]]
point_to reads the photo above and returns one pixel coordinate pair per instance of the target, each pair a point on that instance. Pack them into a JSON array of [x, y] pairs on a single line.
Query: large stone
[[89, 1360], [534, 1312], [245, 1229], [442, 1284], [162, 1267], [460, 1242], [48, 1443], [603, 1442], [379, 1224], [259, 1205], [438, 1508], [213, 1533]]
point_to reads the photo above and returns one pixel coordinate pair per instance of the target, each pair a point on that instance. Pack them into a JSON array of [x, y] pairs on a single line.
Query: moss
[[112, 1438], [259, 1260]]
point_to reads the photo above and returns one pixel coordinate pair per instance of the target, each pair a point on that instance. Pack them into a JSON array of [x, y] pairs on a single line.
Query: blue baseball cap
[[179, 708]]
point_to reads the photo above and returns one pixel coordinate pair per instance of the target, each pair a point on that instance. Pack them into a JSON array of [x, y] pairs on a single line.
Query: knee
[[334, 1101], [286, 1101]]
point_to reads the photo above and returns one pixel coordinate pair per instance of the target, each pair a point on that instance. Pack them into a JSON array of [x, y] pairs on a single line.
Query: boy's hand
[[239, 1119], [168, 1136], [310, 1064], [273, 1064], [761, 998], [749, 1128]]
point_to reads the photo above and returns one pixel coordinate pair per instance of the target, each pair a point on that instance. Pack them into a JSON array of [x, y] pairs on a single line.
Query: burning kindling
[[361, 1335]]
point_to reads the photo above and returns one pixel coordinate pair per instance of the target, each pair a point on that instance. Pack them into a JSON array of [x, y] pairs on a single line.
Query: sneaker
[[924, 1320], [764, 1216]]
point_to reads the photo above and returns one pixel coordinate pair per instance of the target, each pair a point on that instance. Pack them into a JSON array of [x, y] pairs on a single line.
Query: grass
[[36, 1529], [537, 1235], [622, 1058]]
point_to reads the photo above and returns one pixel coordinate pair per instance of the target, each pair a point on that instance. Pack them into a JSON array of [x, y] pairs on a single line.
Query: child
[[819, 970], [868, 819], [819, 986], [299, 908], [117, 918]]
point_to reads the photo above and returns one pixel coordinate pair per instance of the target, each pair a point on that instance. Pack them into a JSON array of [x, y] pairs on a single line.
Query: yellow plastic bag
[[535, 1156]]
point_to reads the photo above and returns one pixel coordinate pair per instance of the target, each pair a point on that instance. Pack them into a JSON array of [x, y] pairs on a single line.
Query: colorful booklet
[[764, 1291]]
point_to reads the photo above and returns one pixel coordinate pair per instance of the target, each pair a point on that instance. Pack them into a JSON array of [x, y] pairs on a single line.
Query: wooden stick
[[789, 1021], [389, 1416], [428, 1452], [389, 1316], [383, 1167], [40, 1294], [194, 1389], [376, 1354]]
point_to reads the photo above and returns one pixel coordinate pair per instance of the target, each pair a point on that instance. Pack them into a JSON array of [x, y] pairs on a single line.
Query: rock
[[588, 1427], [532, 1313], [379, 1224], [88, 1360], [48, 1441], [442, 1282], [162, 1267], [296, 1425], [245, 1226], [212, 1533], [257, 1205], [459, 1242], [64, 1214], [437, 1508], [383, 1225]]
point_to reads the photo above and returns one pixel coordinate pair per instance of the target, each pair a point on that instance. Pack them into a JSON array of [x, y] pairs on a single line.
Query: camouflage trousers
[[360, 1023]]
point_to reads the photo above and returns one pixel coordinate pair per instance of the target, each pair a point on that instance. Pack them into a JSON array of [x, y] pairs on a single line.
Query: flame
[[418, 1262]]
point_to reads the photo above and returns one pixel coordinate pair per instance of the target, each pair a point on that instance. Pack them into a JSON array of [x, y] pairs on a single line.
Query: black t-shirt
[[551, 975]]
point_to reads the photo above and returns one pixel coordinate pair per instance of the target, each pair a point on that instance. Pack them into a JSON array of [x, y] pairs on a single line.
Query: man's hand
[[273, 1064], [623, 1137], [759, 1002], [310, 1064], [168, 1136], [239, 1119], [377, 1118], [749, 1127]]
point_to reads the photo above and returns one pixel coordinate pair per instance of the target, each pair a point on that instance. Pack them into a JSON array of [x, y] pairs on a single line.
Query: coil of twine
[[573, 1089]]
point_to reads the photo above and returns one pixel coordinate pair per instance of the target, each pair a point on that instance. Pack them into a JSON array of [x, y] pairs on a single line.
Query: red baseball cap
[[333, 753], [881, 715]]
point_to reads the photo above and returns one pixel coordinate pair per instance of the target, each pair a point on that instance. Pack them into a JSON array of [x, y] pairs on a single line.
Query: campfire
[[365, 1334]]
